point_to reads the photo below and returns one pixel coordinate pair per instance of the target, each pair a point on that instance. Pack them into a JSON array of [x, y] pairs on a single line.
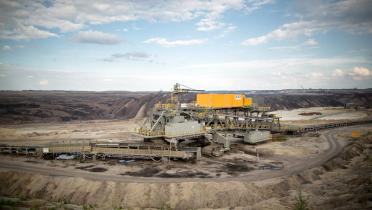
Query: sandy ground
[[242, 161], [124, 130], [341, 183], [96, 130], [327, 113], [239, 162]]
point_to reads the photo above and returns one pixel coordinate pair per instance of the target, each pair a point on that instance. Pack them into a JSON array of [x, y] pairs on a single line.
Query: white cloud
[[261, 77], [209, 25], [256, 4], [316, 75], [97, 37], [295, 47], [286, 31], [43, 82], [280, 63], [22, 32], [26, 19], [166, 43], [338, 73], [347, 15], [310, 42], [362, 71], [62, 25], [107, 80], [228, 29], [6, 47], [133, 56], [357, 73], [215, 9]]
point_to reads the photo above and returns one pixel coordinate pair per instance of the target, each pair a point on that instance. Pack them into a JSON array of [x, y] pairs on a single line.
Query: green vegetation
[[369, 133], [166, 207], [7, 202], [88, 207], [368, 158], [280, 137], [301, 203]]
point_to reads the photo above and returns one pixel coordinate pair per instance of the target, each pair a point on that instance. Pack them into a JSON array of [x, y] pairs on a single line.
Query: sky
[[148, 45]]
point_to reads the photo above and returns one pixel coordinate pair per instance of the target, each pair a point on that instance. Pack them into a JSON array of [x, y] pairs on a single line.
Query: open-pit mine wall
[[56, 106]]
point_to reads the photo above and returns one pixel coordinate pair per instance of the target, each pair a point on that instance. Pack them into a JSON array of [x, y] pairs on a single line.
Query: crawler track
[[296, 167]]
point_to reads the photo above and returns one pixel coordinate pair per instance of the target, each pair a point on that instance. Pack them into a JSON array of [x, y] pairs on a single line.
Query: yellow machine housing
[[223, 100]]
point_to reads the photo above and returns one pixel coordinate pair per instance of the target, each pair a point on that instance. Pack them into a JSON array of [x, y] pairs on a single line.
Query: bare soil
[[322, 114], [240, 179], [240, 161], [343, 182]]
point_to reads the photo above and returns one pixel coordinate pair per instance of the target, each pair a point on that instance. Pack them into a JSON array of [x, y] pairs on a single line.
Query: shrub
[[301, 203]]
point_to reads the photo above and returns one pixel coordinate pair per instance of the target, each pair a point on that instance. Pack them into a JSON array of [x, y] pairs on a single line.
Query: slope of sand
[[327, 113], [341, 183], [105, 130]]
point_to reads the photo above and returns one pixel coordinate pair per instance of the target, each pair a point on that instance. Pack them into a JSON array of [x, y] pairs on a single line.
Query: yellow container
[[222, 100], [248, 101], [356, 134]]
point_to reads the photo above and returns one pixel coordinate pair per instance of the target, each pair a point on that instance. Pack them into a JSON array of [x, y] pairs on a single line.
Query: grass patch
[[280, 137], [369, 158], [301, 202], [88, 207], [7, 202]]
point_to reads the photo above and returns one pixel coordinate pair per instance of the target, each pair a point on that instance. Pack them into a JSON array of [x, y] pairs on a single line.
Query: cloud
[[310, 42], [345, 15], [349, 15], [226, 77], [357, 73], [7, 47], [22, 32], [107, 80], [316, 75], [97, 37], [338, 73], [257, 4], [26, 19], [134, 56], [361, 73], [209, 25], [44, 82], [280, 63], [286, 31], [166, 43], [216, 9], [228, 29]]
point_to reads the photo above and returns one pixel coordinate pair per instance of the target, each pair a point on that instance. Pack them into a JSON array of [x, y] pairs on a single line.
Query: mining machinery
[[208, 121]]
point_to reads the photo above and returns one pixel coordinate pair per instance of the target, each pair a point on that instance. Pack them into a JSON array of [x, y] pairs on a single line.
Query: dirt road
[[335, 147]]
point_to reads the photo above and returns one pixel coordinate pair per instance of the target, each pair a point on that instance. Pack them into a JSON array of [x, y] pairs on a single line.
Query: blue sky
[[214, 45]]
